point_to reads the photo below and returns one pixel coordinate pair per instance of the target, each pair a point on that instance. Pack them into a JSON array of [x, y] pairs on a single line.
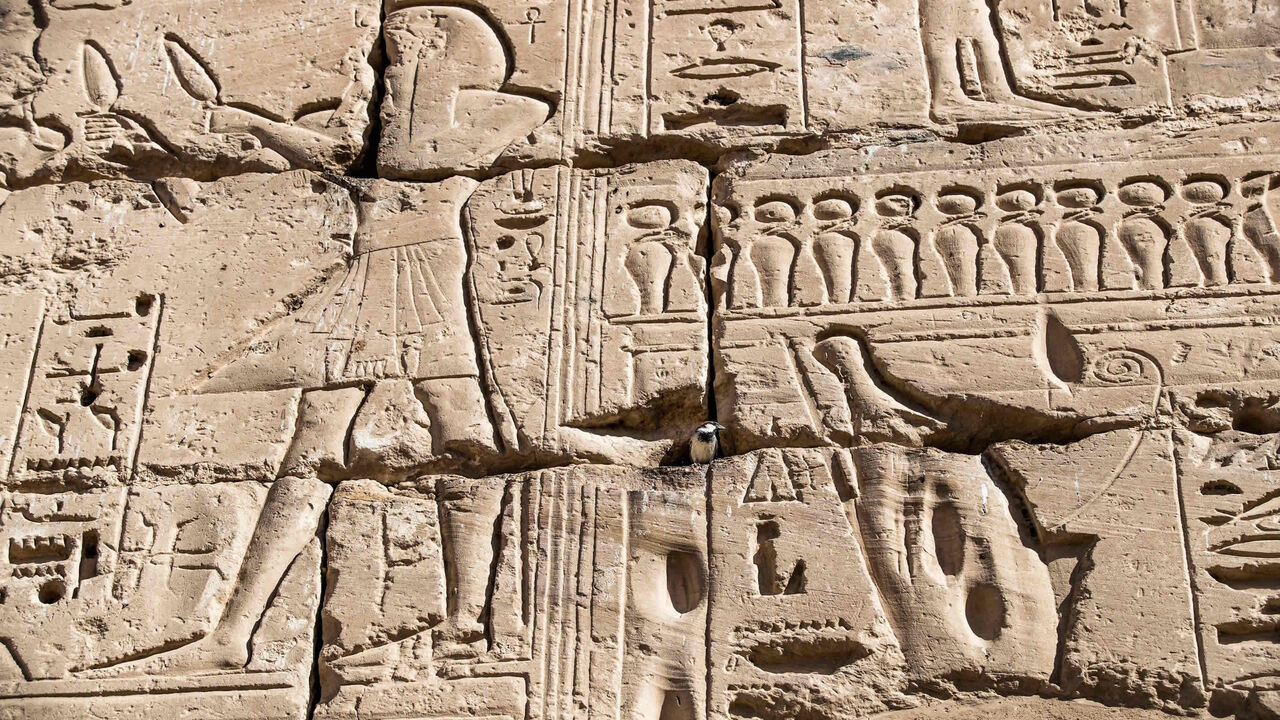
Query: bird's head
[[708, 431]]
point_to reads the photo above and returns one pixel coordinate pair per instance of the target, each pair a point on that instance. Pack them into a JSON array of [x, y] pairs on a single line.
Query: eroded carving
[[138, 88], [948, 268], [1226, 459], [110, 595], [518, 596]]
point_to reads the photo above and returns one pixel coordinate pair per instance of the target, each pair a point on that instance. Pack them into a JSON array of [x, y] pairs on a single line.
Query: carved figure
[[444, 105], [395, 325], [967, 78]]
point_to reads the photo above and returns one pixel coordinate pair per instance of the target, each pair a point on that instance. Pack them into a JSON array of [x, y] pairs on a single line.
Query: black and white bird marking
[[705, 442]]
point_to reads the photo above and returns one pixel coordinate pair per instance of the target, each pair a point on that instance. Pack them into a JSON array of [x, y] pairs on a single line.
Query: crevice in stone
[[322, 530], [366, 164], [710, 247]]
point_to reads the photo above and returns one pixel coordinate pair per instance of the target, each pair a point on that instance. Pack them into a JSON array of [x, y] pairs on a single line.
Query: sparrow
[[705, 442]]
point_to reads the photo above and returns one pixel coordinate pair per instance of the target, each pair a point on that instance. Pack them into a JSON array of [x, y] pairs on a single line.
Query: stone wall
[[363, 361]]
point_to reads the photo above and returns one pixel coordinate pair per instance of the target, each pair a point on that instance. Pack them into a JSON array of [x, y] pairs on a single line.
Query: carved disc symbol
[[1118, 367]]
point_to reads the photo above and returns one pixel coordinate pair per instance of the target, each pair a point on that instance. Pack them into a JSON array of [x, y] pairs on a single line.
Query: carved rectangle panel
[[172, 282], [159, 600], [84, 408], [1108, 507], [535, 595], [797, 624], [1228, 485], [589, 307], [1096, 284]]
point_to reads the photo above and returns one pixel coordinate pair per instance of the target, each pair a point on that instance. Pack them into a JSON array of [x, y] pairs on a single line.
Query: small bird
[[705, 442]]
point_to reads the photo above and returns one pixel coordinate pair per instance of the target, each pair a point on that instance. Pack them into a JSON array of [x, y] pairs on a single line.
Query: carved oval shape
[[1203, 192], [100, 83], [984, 609], [775, 211], [895, 205], [833, 209], [649, 217], [1142, 193], [1079, 196], [957, 203], [686, 586], [1016, 200], [948, 538], [192, 75]]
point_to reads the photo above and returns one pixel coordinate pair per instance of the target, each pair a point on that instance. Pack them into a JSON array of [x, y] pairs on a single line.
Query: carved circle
[[834, 208], [1204, 192], [1118, 367], [651, 216], [1142, 193], [775, 211]]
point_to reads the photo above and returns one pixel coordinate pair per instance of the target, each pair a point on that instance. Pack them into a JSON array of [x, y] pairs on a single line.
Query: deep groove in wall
[[367, 164], [322, 530], [713, 413]]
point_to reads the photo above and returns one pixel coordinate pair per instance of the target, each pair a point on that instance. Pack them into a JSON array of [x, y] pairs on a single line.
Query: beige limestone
[[145, 601], [534, 593], [355, 357], [140, 87]]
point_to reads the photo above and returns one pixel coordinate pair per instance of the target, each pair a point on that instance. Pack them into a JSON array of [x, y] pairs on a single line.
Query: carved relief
[[964, 592], [111, 595], [850, 582], [134, 274], [1104, 507], [575, 297], [947, 268], [138, 88], [444, 106], [84, 406], [670, 360], [797, 625], [1226, 462], [1139, 53], [549, 80], [588, 303], [517, 596]]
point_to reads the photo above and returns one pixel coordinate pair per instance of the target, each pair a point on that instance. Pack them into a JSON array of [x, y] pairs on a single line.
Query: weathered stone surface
[[151, 286], [158, 600], [144, 88], [527, 594], [493, 82], [643, 359]]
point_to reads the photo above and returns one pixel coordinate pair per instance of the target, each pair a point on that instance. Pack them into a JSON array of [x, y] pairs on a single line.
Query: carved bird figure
[[705, 442]]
